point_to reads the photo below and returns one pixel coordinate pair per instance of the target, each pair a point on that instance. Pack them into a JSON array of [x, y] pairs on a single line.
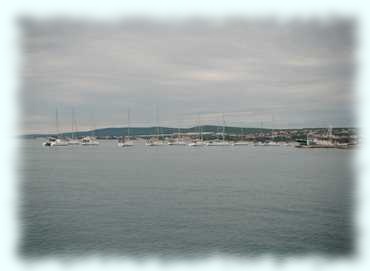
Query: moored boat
[[89, 141], [218, 143], [196, 144], [177, 143], [125, 140], [240, 143], [56, 141]]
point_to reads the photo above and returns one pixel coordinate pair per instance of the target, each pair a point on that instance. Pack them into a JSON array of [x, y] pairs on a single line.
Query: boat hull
[[240, 144], [221, 144], [125, 145], [90, 143], [196, 144], [177, 143]]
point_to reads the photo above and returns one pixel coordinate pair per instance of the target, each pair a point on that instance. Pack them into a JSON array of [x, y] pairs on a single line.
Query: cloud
[[298, 70], [211, 75]]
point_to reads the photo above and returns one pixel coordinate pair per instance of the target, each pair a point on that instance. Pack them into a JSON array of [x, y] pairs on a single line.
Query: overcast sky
[[256, 72]]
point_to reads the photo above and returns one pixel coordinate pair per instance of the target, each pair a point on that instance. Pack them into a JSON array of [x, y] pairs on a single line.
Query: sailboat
[[125, 141], [90, 140], [72, 140], [241, 142], [155, 141], [198, 142], [179, 140], [267, 144], [223, 142], [271, 142], [55, 141], [326, 141]]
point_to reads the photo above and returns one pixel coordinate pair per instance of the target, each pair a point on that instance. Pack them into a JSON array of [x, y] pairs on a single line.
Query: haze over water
[[182, 201]]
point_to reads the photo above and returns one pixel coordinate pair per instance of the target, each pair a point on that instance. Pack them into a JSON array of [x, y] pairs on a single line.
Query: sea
[[179, 201]]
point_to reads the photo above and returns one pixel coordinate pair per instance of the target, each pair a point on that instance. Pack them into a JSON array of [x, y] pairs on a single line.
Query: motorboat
[[49, 142], [125, 143], [57, 140], [60, 142], [89, 141]]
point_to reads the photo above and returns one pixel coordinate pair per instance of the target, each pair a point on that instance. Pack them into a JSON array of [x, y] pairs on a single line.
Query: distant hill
[[147, 131]]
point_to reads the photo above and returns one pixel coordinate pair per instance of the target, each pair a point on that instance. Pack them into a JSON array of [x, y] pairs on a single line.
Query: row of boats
[[127, 142], [214, 143], [63, 141], [56, 142]]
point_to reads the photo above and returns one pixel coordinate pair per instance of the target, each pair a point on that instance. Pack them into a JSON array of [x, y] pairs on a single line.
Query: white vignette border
[[114, 10]]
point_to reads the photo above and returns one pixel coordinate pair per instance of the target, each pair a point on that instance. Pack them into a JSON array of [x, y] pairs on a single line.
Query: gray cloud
[[284, 74]]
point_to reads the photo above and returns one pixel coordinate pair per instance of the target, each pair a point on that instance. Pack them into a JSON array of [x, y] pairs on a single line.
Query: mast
[[200, 129], [272, 129], [178, 129], [307, 139], [157, 120], [75, 124], [57, 122], [223, 127], [94, 125], [330, 131], [178, 133], [73, 117], [128, 124]]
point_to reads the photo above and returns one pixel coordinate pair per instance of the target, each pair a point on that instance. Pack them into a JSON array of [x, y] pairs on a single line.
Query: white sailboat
[[242, 141], [177, 143], [56, 141], [125, 141], [198, 142], [271, 142], [267, 144], [60, 142], [179, 140], [326, 141], [73, 140], [90, 140], [155, 141], [223, 142]]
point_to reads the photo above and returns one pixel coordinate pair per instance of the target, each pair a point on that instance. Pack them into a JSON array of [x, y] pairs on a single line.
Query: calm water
[[170, 201]]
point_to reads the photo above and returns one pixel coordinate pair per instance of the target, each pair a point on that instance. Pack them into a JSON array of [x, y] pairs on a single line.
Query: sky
[[255, 73]]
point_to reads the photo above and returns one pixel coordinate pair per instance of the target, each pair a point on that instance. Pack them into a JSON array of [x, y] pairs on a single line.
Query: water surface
[[177, 200]]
